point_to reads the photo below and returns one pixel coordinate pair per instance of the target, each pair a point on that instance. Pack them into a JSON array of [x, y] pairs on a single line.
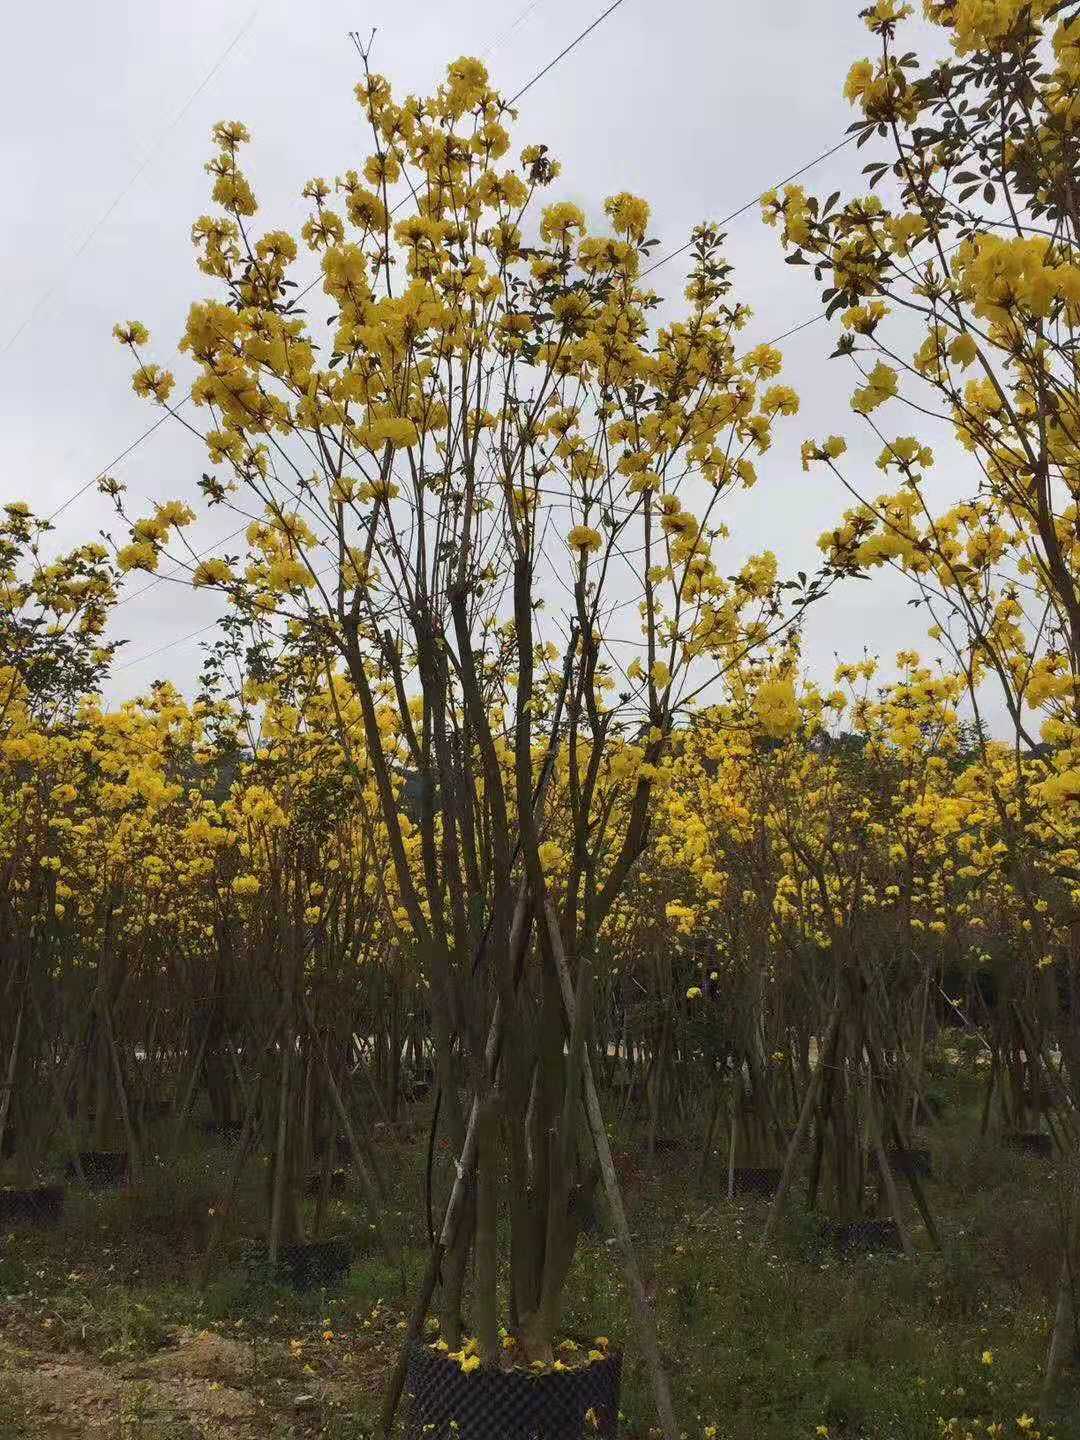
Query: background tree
[[972, 232]]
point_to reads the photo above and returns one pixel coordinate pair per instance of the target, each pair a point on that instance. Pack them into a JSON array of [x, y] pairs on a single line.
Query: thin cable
[[572, 46], [101, 474], [47, 294], [749, 205], [501, 40], [181, 569], [169, 645], [812, 320]]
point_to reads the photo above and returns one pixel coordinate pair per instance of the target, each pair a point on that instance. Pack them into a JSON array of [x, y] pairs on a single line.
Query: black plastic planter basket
[[1031, 1142], [853, 1237], [40, 1205], [315, 1265], [103, 1169], [915, 1162], [161, 1109], [228, 1132], [338, 1180], [670, 1144], [761, 1180], [445, 1403], [319, 1265]]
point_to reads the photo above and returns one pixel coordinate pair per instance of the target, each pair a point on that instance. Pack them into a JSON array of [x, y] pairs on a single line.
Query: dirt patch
[[199, 1355], [68, 1396], [203, 1386]]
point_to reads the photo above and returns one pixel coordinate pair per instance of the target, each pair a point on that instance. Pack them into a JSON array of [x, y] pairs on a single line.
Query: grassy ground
[[103, 1335]]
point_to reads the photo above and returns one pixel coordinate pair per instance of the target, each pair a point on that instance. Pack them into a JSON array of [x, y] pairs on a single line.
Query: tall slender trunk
[[281, 1161], [1066, 1317], [487, 1214], [8, 1088]]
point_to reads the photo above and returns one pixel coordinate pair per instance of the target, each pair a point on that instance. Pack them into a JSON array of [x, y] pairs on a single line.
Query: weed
[[12, 1409]]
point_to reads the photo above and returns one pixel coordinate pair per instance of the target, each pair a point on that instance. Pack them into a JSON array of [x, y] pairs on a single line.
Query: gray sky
[[682, 103]]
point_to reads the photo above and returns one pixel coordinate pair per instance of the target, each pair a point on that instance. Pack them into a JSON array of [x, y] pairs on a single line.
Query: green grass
[[764, 1343], [769, 1343]]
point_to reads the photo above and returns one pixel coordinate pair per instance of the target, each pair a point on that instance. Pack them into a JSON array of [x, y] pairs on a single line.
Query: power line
[[140, 170], [501, 39], [193, 634], [101, 474], [562, 53], [180, 569], [749, 204], [169, 645], [811, 320]]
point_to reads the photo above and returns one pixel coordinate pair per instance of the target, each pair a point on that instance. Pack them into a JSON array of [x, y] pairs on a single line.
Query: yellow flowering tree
[[456, 483], [52, 654]]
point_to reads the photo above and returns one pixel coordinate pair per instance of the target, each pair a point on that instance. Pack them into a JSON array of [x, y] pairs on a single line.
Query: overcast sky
[[696, 106]]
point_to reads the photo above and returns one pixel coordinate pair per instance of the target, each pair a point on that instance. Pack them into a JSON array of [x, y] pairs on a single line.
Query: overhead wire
[[563, 53], [169, 645], [749, 204], [47, 294], [103, 472], [182, 569], [515, 24]]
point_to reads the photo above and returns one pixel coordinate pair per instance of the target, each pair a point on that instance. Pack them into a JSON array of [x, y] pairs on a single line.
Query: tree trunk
[[825, 1058]]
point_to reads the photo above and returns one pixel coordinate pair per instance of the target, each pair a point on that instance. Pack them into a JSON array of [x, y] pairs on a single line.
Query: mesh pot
[[854, 1236], [1031, 1142], [102, 1168], [915, 1162], [321, 1264], [446, 1404], [670, 1144], [158, 1109], [763, 1180], [40, 1205], [315, 1265], [338, 1180], [927, 1109], [228, 1132]]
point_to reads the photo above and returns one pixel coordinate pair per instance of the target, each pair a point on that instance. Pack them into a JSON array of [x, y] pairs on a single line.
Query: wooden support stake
[[825, 1057], [643, 1315]]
